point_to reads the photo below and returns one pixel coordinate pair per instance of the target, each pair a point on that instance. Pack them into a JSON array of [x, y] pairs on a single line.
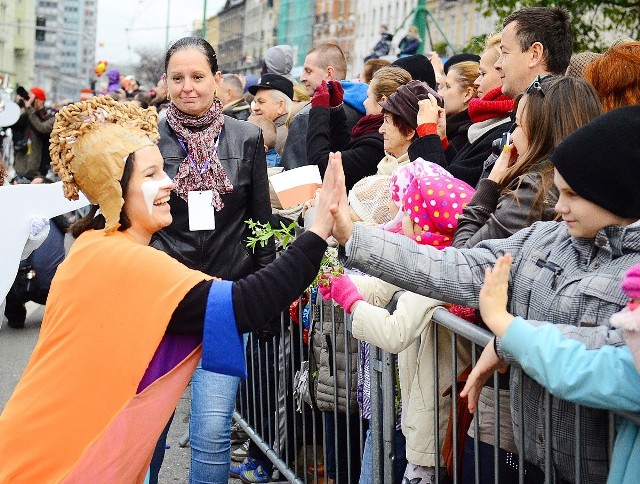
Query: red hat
[[38, 93]]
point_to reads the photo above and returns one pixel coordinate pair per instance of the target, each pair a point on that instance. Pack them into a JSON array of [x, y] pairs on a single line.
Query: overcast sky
[[123, 25]]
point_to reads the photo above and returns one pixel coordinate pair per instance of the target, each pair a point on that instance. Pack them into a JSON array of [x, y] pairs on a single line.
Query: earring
[[168, 96]]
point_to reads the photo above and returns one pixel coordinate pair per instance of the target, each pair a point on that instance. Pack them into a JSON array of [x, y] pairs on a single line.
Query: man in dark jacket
[[231, 96], [34, 126], [383, 46], [326, 62]]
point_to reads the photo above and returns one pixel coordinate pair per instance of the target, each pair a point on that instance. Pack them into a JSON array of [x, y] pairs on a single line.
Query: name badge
[[202, 215]]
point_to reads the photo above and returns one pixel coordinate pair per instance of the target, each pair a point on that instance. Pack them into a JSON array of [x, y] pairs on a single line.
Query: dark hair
[[193, 43], [91, 221], [551, 26], [554, 109], [398, 121], [3, 173]]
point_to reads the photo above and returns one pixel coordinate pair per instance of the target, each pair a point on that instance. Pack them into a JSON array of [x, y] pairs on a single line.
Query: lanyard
[[206, 165]]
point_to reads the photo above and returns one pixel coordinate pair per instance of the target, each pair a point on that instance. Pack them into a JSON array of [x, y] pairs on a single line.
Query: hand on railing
[[488, 362], [342, 290]]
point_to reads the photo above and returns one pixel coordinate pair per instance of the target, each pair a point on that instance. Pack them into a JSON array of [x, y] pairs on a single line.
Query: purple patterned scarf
[[208, 173]]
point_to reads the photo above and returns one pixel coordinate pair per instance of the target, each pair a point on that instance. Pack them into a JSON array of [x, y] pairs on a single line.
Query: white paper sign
[[18, 205]]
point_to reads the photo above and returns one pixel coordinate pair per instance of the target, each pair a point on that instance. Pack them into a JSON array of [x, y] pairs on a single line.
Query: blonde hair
[[466, 73], [388, 80], [492, 44]]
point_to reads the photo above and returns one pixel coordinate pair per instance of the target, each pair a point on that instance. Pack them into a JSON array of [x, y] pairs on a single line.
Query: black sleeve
[[262, 296], [271, 289], [429, 148], [327, 132], [360, 159]]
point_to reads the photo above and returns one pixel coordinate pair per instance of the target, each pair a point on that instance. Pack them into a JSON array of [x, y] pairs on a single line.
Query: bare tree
[[150, 67]]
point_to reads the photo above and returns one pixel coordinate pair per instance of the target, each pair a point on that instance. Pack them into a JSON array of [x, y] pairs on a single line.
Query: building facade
[[295, 27], [458, 20], [260, 33], [17, 42], [65, 49], [231, 36], [336, 22]]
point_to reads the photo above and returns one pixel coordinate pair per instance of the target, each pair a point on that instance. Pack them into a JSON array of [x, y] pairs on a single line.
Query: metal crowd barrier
[[293, 439]]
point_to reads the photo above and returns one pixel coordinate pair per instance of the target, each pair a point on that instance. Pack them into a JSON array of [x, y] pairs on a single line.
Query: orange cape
[[80, 412]]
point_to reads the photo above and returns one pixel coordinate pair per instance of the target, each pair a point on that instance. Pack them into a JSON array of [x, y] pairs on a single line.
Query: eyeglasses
[[536, 85]]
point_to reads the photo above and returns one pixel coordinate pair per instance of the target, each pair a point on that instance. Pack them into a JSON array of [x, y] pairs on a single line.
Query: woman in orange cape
[[125, 324]]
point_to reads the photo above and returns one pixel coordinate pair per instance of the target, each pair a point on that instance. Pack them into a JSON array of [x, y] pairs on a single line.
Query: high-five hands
[[329, 198]]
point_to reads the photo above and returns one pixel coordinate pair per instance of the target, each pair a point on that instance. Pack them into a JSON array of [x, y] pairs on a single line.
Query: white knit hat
[[369, 198]]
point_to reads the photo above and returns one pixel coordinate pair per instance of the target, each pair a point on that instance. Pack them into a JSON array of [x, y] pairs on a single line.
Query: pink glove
[[344, 292]]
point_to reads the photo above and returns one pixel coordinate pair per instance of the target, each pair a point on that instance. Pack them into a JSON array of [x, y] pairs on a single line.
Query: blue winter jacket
[[605, 378]]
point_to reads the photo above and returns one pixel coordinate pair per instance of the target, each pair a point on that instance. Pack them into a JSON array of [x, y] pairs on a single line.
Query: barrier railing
[[281, 415]]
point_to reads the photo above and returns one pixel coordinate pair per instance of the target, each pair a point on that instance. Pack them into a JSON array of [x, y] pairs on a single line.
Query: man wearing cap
[[35, 125], [272, 99]]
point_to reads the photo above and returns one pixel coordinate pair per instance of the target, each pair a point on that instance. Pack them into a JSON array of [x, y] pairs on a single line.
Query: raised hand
[[38, 224], [430, 112], [505, 160], [321, 96], [493, 296], [342, 290], [343, 225], [329, 198], [336, 93]]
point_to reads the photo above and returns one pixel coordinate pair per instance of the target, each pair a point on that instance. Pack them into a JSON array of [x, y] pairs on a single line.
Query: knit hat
[[631, 282], [404, 102], [89, 145], [38, 93], [279, 60], [456, 59], [400, 181], [419, 67], [369, 198], [601, 161], [435, 204], [579, 62]]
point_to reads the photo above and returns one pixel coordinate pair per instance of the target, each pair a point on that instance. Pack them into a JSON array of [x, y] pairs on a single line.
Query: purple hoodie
[[114, 80]]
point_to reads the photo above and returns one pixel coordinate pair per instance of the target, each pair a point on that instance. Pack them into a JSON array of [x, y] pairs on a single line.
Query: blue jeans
[[213, 397], [400, 461]]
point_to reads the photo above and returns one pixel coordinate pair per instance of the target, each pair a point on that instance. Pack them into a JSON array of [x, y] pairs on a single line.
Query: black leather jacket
[[221, 252]]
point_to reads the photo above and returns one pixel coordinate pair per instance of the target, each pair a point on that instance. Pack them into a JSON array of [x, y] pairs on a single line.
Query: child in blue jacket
[[605, 378]]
